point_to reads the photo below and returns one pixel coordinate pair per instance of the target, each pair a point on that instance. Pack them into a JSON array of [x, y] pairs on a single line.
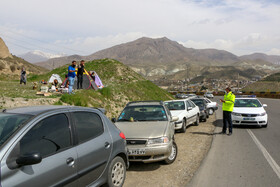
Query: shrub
[[106, 92], [13, 68]]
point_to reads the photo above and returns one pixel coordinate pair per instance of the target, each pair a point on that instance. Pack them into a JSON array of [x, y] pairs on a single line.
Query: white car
[[209, 95], [249, 111], [211, 105], [186, 111]]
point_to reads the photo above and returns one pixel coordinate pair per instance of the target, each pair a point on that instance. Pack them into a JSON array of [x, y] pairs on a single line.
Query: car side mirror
[[264, 105], [174, 118], [189, 108], [114, 120], [29, 159]]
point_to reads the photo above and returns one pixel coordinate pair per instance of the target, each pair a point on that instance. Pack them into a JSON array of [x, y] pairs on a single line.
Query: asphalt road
[[249, 157]]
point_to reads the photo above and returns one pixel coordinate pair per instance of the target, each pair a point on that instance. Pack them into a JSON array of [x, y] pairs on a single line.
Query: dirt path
[[192, 147]]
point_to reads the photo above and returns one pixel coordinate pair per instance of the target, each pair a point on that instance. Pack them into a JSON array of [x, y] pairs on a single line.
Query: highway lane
[[237, 160]]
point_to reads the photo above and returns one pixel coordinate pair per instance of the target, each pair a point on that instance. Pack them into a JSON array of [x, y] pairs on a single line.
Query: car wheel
[[183, 129], [171, 158], [205, 119], [197, 121], [264, 126], [211, 111], [116, 173]]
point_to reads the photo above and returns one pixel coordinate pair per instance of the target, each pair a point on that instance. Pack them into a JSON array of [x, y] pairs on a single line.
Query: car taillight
[[122, 135]]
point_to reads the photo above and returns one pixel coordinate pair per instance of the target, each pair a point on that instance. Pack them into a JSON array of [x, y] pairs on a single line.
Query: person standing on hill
[[23, 76], [81, 69], [228, 103], [71, 76]]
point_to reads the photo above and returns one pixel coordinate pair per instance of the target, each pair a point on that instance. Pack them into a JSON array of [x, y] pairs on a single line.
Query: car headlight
[[235, 114], [158, 140], [262, 114]]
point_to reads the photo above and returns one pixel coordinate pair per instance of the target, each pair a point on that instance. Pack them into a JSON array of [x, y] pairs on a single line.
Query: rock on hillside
[[10, 66], [4, 51]]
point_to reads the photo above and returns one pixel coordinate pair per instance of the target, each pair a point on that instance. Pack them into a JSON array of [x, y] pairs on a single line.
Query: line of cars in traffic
[[79, 146]]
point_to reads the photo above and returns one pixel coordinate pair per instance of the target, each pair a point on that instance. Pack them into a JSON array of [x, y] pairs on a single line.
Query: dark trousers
[[227, 120], [80, 82]]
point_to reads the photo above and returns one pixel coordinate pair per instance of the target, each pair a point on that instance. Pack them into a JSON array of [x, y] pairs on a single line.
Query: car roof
[[35, 110], [139, 103], [178, 100]]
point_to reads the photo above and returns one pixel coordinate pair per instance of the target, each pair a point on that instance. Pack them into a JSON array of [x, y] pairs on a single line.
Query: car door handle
[[107, 145], [70, 162]]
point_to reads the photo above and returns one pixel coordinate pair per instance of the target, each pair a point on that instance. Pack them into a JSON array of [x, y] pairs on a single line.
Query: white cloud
[[94, 25]]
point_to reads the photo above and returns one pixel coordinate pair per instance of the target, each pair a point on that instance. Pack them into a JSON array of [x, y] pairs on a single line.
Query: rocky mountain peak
[[4, 51]]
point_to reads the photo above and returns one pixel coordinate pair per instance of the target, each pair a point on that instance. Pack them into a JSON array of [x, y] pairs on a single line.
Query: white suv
[[186, 111]]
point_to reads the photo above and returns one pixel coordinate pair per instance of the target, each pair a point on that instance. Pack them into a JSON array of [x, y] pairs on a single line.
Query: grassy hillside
[[263, 86], [10, 68], [269, 84], [274, 77], [121, 86]]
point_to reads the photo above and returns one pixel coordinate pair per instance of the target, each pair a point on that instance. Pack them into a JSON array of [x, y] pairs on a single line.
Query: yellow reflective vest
[[229, 99]]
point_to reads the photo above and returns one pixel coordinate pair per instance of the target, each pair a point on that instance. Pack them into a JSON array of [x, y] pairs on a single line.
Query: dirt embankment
[[192, 148], [7, 102]]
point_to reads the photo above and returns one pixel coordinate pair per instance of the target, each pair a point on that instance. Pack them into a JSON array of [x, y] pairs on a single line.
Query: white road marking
[[267, 156]]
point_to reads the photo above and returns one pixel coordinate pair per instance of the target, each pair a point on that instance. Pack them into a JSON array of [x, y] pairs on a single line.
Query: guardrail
[[275, 95]]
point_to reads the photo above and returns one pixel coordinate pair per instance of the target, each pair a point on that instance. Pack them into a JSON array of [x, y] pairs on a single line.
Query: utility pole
[[238, 82]]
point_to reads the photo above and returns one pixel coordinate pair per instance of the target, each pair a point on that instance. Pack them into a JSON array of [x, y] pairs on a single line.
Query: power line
[[41, 42], [31, 44]]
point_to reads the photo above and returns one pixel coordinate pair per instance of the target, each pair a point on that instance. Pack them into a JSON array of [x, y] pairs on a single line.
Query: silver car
[[149, 129], [60, 145]]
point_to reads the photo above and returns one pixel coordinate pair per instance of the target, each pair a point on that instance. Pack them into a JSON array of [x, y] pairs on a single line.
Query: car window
[[9, 123], [143, 113], [175, 105], [207, 100], [188, 104], [191, 103], [198, 102], [47, 137], [88, 125], [247, 103]]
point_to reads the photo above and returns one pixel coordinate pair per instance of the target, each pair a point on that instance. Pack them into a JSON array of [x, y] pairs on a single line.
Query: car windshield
[[9, 123], [143, 113], [247, 103], [198, 102], [175, 105]]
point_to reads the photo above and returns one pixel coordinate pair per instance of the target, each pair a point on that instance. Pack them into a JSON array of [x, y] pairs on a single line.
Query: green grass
[[122, 85]]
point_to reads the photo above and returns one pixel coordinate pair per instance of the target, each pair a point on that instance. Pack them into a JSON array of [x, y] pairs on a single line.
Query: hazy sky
[[86, 26]]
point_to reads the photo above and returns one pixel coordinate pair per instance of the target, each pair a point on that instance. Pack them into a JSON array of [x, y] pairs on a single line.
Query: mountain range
[[39, 56], [155, 58]]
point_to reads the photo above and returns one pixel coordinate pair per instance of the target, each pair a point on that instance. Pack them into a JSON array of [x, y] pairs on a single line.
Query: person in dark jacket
[[23, 76], [81, 70]]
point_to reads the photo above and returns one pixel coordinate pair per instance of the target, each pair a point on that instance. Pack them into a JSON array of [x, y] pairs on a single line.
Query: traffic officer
[[228, 103]]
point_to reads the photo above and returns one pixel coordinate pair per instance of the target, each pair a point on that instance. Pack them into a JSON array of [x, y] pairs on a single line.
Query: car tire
[[205, 119], [116, 172], [184, 126], [172, 157], [196, 123], [211, 111], [264, 126]]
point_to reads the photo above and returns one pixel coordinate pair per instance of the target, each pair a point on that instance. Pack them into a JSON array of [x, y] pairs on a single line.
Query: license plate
[[136, 151], [249, 119]]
